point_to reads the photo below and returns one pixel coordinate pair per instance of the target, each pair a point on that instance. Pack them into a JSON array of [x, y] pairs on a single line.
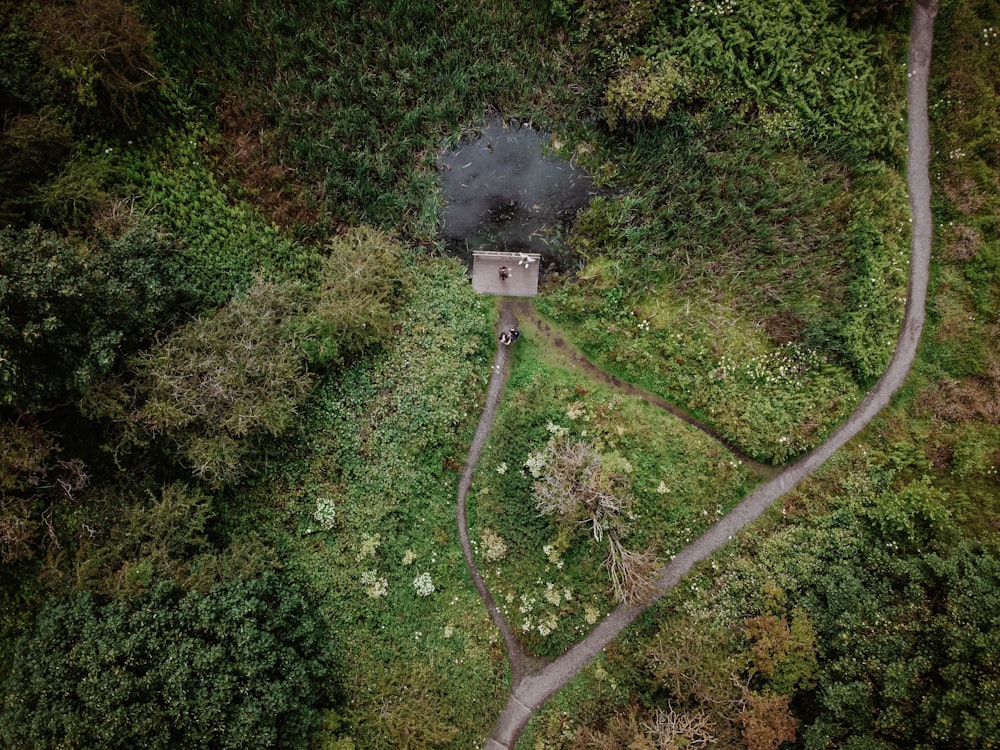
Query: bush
[[643, 91], [25, 464], [795, 55], [224, 241], [32, 148], [218, 386], [362, 283], [163, 537], [104, 55], [244, 666]]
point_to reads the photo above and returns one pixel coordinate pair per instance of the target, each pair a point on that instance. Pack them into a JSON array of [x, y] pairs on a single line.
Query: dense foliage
[[359, 117], [243, 665], [233, 414], [69, 309], [71, 71]]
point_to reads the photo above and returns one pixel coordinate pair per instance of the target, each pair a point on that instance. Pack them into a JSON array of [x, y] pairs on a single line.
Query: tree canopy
[[243, 666]]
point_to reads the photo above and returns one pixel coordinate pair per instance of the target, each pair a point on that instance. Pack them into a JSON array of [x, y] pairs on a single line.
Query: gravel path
[[530, 689]]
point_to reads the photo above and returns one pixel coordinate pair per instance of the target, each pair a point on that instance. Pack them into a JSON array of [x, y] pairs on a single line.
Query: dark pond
[[507, 191]]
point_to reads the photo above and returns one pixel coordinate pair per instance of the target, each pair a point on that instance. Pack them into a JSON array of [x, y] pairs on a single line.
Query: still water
[[509, 191]]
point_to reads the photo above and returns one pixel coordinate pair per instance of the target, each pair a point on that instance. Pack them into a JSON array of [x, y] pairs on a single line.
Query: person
[[504, 273], [509, 336]]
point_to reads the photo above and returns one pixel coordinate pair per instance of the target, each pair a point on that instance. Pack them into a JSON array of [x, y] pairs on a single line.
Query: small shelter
[[505, 273]]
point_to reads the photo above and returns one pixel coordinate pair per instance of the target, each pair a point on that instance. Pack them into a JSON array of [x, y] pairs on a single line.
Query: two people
[[509, 336]]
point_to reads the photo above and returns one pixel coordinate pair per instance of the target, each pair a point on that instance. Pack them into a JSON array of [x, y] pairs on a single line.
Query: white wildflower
[[375, 586], [423, 584], [325, 513]]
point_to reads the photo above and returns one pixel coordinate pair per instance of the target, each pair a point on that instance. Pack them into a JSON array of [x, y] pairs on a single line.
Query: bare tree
[[631, 572], [575, 488], [578, 490]]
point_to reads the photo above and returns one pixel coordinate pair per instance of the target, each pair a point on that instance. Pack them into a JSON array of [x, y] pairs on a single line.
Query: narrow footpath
[[531, 688]]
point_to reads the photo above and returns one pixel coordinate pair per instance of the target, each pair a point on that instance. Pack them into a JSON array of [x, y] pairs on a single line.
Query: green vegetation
[[237, 385], [242, 665], [887, 560], [69, 310], [355, 97], [664, 482], [759, 286], [365, 517]]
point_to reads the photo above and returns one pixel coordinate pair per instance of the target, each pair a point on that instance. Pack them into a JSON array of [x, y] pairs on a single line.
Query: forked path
[[530, 688]]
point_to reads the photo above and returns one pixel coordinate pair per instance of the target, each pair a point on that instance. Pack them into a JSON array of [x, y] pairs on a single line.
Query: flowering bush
[[494, 546], [325, 513], [376, 586], [535, 463], [369, 545], [423, 584]]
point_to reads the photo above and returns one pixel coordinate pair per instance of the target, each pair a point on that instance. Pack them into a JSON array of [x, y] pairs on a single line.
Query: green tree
[[69, 309], [243, 666], [364, 279], [910, 649], [216, 388]]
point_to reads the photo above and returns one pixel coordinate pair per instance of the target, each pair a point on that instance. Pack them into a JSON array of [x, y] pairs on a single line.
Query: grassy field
[[912, 502], [760, 287], [340, 114]]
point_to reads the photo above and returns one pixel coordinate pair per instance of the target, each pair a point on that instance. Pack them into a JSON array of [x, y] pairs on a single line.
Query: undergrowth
[[367, 92], [889, 552], [365, 518], [226, 241], [759, 287]]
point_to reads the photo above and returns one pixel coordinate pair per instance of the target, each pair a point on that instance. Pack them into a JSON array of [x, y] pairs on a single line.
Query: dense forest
[[239, 375]]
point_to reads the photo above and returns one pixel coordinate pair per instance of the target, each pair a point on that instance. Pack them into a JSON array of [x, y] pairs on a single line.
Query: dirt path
[[531, 689], [517, 655]]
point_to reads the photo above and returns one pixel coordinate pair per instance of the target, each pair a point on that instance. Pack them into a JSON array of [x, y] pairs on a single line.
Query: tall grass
[[729, 253], [356, 96]]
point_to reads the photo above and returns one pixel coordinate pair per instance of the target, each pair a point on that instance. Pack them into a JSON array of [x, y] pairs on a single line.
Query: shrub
[[32, 148], [362, 284], [643, 91], [104, 55], [224, 241], [26, 465], [411, 713], [574, 487], [69, 200], [161, 537], [795, 55]]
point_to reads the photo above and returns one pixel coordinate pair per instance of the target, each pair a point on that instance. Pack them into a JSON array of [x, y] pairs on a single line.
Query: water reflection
[[506, 191]]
